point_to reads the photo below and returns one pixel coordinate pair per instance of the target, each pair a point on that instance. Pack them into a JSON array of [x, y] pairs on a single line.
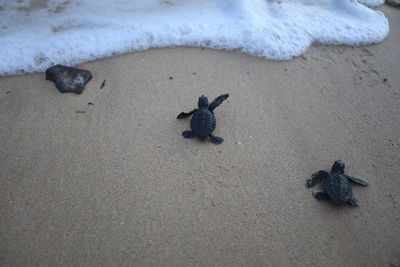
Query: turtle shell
[[338, 188], [202, 123]]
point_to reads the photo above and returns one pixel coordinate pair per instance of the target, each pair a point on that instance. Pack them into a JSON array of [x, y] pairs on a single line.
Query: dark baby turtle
[[203, 121], [336, 185]]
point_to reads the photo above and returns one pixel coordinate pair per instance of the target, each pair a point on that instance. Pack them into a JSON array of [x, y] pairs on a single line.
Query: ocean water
[[35, 34]]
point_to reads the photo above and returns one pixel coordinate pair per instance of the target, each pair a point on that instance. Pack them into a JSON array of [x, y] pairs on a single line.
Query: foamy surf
[[38, 33]]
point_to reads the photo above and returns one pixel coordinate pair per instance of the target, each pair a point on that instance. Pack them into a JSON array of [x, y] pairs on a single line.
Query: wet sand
[[114, 183]]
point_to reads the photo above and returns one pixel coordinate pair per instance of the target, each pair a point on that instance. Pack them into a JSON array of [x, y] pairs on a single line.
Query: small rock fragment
[[67, 79], [102, 85]]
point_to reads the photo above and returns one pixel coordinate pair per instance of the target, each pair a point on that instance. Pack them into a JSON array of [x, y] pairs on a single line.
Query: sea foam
[[39, 33]]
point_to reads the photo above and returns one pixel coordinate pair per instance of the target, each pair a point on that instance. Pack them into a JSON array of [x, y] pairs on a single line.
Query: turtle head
[[338, 166], [203, 102]]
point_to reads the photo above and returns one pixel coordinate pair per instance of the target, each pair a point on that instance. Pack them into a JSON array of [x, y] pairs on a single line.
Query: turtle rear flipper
[[316, 178], [188, 134], [218, 101], [216, 140], [320, 195], [356, 180], [352, 201]]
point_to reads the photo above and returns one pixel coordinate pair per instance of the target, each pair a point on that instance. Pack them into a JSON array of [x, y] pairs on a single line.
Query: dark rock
[[67, 79]]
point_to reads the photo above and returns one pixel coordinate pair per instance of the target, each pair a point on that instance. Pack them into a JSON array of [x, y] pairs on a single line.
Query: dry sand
[[118, 185]]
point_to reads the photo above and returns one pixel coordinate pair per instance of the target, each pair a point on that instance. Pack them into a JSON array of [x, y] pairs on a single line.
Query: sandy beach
[[114, 183]]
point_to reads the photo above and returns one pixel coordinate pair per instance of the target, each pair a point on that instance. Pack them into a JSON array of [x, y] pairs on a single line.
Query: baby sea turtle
[[203, 121], [336, 185]]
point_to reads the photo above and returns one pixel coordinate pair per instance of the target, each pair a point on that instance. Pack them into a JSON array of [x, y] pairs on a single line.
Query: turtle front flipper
[[188, 134], [184, 115], [216, 140], [218, 101], [352, 201], [356, 180], [321, 195], [316, 178]]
